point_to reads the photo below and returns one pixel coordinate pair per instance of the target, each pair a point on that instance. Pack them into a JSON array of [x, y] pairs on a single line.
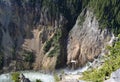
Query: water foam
[[31, 75]]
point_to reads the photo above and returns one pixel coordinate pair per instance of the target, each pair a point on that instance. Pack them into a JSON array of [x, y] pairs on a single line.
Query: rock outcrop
[[36, 34], [25, 27], [33, 33], [86, 41], [23, 78], [115, 77]]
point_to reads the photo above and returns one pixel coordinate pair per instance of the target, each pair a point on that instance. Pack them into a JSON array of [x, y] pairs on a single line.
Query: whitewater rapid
[[31, 75]]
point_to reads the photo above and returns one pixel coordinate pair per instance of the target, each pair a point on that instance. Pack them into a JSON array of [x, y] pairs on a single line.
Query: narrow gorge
[[50, 35]]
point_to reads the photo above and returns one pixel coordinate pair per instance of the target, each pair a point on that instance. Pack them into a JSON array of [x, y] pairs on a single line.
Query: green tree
[[111, 64]]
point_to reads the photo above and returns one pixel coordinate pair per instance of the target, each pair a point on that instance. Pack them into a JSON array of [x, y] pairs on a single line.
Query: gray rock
[[86, 40], [23, 79], [26, 80], [115, 77]]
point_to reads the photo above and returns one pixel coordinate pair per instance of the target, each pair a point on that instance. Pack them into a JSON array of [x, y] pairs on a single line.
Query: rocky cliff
[[49, 34], [34, 33], [86, 40]]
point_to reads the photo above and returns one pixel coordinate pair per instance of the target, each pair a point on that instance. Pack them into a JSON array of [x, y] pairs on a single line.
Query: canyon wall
[[33, 33], [48, 34], [86, 40]]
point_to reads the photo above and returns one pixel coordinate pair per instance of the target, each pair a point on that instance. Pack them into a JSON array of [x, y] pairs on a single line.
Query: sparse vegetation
[[48, 45], [53, 42], [56, 77], [108, 14], [81, 20], [111, 64], [15, 76], [38, 80], [54, 52], [29, 56]]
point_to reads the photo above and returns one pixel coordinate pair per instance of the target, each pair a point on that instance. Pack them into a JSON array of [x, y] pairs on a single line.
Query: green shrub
[[15, 76], [53, 42], [54, 52], [56, 77], [110, 65], [56, 44], [48, 45], [38, 80], [29, 56]]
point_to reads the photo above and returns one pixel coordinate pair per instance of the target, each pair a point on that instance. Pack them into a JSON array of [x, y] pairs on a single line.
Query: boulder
[[23, 78], [115, 77]]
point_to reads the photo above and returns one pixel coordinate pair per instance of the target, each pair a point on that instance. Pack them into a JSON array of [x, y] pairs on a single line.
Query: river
[[32, 75]]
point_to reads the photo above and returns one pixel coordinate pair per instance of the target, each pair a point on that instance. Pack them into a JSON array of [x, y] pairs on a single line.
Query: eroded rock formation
[[36, 34], [86, 41], [33, 33]]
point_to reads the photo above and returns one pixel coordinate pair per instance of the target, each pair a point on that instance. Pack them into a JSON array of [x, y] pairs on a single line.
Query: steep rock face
[[33, 34], [86, 41], [29, 36], [24, 30]]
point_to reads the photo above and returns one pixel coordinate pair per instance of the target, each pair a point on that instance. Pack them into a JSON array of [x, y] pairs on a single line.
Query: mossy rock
[[15, 76]]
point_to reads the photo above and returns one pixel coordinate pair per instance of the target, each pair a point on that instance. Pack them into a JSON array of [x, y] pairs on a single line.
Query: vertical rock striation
[[39, 34], [86, 41], [33, 33]]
